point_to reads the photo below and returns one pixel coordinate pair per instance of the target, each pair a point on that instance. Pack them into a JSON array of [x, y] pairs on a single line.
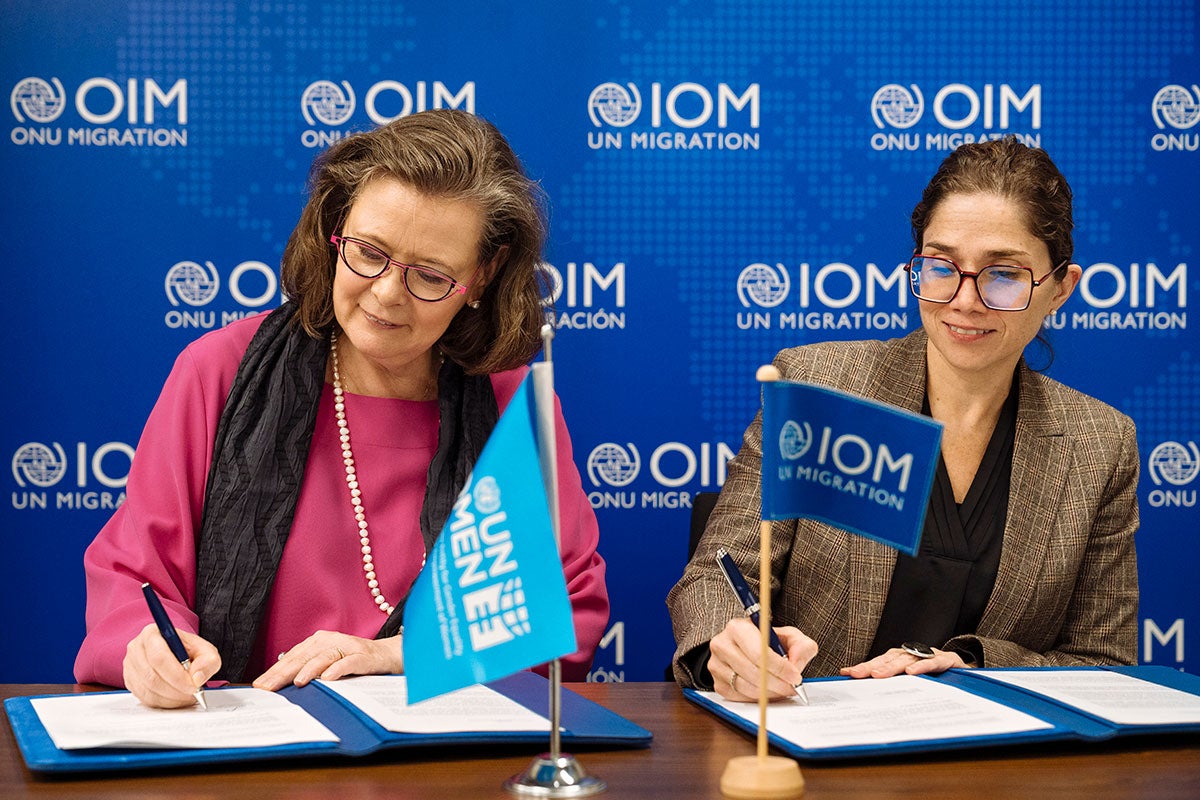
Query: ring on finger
[[918, 649], [733, 681]]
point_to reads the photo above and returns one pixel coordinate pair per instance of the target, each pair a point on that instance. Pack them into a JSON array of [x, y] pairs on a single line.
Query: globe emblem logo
[[1177, 107], [191, 283], [897, 106], [763, 285], [1176, 464], [614, 464], [513, 611], [38, 464], [324, 101], [610, 103], [794, 439], [38, 100], [487, 495]]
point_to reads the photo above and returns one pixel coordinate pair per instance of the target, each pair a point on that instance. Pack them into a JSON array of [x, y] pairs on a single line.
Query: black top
[[941, 592]]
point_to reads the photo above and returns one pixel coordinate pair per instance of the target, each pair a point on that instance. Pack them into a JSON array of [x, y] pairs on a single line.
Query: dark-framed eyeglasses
[[368, 261], [1001, 287]]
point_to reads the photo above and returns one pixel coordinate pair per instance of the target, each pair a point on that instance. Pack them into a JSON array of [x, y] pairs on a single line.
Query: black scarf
[[258, 460]]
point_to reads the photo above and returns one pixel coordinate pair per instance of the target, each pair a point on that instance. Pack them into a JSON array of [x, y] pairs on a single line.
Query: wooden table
[[687, 757]]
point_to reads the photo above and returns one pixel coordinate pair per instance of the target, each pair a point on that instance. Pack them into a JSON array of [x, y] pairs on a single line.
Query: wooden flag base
[[761, 778]]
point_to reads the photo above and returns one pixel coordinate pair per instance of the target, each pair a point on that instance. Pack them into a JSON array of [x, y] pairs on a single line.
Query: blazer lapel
[[1041, 458], [899, 379]]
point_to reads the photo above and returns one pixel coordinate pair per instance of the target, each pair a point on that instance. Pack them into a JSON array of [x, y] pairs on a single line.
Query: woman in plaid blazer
[[1027, 556]]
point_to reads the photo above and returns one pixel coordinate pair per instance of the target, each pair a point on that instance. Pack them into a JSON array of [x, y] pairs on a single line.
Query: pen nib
[[200, 700]]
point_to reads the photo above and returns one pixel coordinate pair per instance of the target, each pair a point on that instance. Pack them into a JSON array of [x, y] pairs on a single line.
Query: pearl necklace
[[339, 406]]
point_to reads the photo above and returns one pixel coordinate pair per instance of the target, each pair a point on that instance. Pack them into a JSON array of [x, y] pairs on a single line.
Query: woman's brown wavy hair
[[447, 154]]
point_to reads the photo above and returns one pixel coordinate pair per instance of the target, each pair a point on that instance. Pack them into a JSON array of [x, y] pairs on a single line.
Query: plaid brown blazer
[[1066, 589]]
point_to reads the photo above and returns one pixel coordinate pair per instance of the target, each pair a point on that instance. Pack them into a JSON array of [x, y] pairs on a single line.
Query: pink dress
[[319, 584]]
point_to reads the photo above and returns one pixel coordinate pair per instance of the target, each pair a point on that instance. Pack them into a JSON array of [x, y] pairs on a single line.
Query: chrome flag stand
[[552, 774]]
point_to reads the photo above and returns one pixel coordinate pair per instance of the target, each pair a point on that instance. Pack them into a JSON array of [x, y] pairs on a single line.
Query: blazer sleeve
[[702, 603], [1100, 622]]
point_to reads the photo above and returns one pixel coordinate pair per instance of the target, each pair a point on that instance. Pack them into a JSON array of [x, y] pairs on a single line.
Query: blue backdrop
[[726, 178]]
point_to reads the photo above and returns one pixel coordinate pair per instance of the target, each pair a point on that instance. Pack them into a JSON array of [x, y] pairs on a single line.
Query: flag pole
[[763, 775], [552, 774]]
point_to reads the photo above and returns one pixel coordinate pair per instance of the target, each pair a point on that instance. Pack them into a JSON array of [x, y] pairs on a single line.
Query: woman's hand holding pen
[[734, 659], [329, 655], [154, 675]]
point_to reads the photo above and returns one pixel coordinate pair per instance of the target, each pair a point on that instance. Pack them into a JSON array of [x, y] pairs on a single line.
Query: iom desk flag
[[491, 599], [858, 464]]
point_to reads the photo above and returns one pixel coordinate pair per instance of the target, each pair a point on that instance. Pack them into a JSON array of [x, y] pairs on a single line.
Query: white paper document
[[384, 698], [1118, 698], [235, 718], [903, 708]]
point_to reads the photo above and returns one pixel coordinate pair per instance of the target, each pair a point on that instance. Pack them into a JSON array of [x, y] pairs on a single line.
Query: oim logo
[[327, 103], [37, 100], [895, 106], [1174, 463], [192, 283], [1174, 105], [614, 464]]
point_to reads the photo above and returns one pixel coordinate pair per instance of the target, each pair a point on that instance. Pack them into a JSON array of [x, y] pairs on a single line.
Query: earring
[[474, 304]]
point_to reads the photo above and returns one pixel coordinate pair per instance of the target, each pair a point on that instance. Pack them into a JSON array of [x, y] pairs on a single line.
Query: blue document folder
[[1064, 722], [583, 723]]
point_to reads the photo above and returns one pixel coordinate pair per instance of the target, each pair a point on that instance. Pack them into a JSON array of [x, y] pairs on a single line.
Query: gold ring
[[341, 655], [733, 681]]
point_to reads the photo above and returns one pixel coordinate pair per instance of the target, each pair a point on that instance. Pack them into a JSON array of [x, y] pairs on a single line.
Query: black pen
[[170, 635], [750, 603]]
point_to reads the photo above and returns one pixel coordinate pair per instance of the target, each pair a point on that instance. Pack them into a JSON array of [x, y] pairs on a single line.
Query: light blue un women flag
[[491, 599], [859, 464]]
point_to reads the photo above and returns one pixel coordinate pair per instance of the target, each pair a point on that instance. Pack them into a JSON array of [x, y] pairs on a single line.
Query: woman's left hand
[[329, 655], [897, 661]]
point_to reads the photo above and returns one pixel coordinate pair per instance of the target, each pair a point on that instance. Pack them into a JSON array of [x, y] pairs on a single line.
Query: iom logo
[[850, 454], [326, 102], [39, 465], [895, 106], [794, 439], [612, 104], [36, 100], [192, 283], [613, 464], [1176, 106], [763, 285], [1177, 464]]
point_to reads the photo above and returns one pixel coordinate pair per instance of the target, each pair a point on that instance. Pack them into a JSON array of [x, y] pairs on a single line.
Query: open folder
[[341, 718], [960, 709]]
